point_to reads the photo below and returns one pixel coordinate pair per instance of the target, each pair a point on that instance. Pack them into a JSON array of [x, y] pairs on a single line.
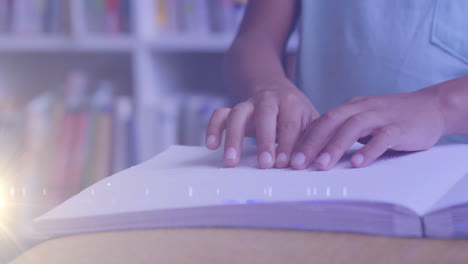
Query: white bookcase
[[145, 63]]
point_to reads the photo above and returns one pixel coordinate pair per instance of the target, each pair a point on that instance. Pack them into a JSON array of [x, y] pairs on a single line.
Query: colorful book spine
[[51, 16], [32, 17], [162, 16], [112, 15], [66, 175], [77, 149], [59, 144], [98, 165], [5, 13], [56, 187], [123, 113], [126, 16], [199, 16]]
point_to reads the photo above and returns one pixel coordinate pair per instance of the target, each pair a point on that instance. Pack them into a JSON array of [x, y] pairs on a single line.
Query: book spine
[[51, 17], [64, 182], [174, 10], [215, 15], [36, 125], [90, 149], [122, 122], [18, 23], [4, 16], [77, 150], [162, 16], [125, 16], [57, 185], [78, 17], [64, 20], [147, 129], [202, 17], [188, 16], [100, 158], [101, 17], [113, 20], [105, 124], [36, 10], [56, 119]]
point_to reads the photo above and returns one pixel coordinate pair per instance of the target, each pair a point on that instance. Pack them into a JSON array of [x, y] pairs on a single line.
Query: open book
[[412, 194]]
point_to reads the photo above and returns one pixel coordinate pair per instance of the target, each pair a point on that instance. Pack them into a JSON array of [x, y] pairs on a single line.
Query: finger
[[380, 142], [236, 123], [318, 134], [266, 115], [355, 127], [216, 126], [250, 130], [289, 129]]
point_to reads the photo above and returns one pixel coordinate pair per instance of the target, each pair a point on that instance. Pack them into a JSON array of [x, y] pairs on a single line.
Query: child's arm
[[407, 121], [274, 109], [256, 54]]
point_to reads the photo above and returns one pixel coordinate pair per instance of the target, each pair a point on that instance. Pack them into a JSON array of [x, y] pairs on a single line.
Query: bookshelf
[[167, 70], [167, 73], [144, 56]]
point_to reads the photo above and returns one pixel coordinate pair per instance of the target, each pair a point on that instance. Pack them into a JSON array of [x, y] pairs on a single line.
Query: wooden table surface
[[242, 246]]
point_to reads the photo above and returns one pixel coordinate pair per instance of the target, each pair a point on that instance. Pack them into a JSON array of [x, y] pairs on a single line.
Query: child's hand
[[408, 122], [279, 113]]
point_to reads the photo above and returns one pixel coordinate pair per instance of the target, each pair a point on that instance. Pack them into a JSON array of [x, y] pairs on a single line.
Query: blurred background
[[91, 87]]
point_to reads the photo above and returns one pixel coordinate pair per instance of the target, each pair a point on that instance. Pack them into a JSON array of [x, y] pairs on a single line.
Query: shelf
[[194, 43], [106, 44], [201, 43], [51, 44], [110, 44]]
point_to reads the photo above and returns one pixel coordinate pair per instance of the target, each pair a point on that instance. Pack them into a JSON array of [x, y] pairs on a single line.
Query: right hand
[[278, 113]]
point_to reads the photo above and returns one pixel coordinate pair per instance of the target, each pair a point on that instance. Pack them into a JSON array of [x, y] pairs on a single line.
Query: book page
[[194, 176], [457, 195]]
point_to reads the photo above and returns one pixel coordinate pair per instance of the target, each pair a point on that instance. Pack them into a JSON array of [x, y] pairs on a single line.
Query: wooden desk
[[242, 246]]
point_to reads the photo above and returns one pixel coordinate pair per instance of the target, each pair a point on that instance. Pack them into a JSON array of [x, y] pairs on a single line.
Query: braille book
[[412, 194]]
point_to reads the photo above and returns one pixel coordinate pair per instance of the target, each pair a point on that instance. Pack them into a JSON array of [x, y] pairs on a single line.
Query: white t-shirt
[[369, 47]]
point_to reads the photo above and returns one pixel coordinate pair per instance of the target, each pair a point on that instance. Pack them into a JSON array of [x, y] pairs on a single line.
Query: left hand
[[406, 122]]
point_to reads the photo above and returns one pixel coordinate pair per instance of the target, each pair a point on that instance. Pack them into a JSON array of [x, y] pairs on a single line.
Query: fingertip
[[298, 161], [265, 160], [212, 142], [323, 162], [230, 163], [320, 167], [282, 160], [357, 160], [230, 157]]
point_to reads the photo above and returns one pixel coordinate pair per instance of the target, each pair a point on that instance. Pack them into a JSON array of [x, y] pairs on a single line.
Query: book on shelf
[[70, 142], [34, 17], [98, 155], [45, 17], [198, 16], [65, 140], [110, 17], [124, 151], [412, 194]]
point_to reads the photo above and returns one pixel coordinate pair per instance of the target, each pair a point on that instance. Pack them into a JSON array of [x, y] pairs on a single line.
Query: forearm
[[253, 64], [453, 101]]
